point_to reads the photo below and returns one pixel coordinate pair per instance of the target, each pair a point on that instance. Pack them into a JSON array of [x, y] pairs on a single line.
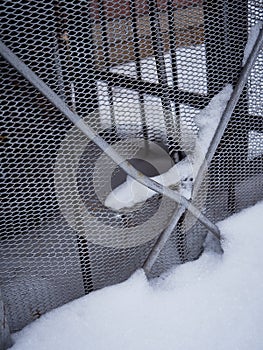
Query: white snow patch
[[214, 303], [131, 192]]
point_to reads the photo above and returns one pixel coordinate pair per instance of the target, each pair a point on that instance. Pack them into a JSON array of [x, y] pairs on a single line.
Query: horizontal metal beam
[[174, 94]]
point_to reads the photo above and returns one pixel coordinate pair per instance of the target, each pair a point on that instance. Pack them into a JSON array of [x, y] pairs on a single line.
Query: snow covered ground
[[213, 303]]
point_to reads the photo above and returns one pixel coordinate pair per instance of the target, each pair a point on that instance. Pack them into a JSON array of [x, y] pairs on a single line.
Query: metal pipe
[[89, 132], [165, 235], [163, 238]]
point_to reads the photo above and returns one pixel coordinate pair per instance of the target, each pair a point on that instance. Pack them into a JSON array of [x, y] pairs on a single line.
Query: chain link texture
[[138, 72]]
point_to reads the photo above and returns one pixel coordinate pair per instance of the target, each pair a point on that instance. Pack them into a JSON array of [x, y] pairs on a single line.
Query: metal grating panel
[[138, 72]]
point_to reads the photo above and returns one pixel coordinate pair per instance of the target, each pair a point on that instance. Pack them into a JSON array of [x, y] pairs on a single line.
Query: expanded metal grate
[[138, 72]]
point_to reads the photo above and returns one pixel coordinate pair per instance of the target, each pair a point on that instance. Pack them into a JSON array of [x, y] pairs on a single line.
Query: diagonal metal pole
[[22, 68], [165, 235], [242, 80], [162, 239]]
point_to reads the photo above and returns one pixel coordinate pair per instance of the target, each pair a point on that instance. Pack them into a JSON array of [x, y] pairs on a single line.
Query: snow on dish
[[131, 192]]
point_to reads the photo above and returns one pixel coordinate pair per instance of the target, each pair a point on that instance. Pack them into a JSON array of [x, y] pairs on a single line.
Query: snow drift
[[214, 303]]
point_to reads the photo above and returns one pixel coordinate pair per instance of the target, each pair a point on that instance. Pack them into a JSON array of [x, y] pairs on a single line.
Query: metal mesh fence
[[138, 72]]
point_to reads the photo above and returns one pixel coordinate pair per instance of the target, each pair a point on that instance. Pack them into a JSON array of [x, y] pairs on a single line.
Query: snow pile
[[131, 192], [214, 303]]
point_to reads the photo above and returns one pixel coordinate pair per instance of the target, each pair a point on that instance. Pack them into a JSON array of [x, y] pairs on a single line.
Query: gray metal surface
[[138, 73]]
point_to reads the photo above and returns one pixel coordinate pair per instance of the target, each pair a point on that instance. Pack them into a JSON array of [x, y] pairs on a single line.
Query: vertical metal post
[[82, 53], [215, 31], [85, 263], [237, 38], [106, 56], [158, 48], [63, 58], [136, 49], [173, 44]]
